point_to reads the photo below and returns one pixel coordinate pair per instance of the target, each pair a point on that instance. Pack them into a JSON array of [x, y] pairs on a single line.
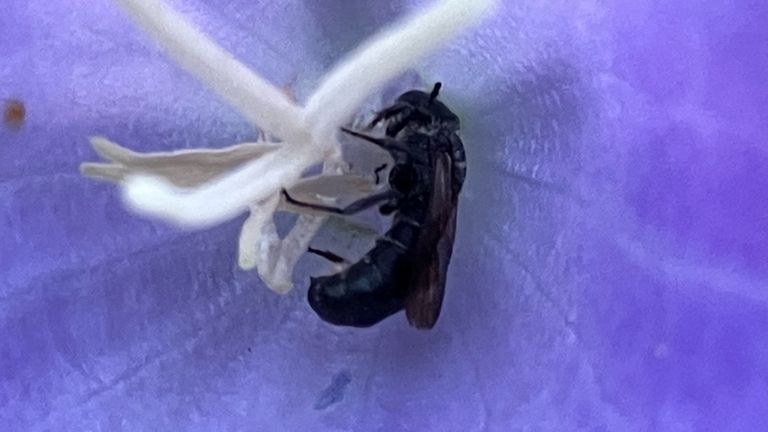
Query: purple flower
[[609, 271]]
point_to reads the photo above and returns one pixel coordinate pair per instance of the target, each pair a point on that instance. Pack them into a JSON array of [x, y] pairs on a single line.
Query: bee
[[407, 267]]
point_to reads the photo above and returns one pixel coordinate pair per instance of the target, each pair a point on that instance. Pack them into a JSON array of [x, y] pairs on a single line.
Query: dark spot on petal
[[14, 113], [334, 393]]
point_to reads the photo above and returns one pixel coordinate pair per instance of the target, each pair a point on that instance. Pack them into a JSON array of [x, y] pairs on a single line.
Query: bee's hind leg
[[355, 207], [338, 263]]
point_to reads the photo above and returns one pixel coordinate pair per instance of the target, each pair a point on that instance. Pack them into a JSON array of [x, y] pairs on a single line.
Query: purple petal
[[609, 271]]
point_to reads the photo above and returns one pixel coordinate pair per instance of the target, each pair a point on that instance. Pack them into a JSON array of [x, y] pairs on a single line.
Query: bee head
[[428, 104]]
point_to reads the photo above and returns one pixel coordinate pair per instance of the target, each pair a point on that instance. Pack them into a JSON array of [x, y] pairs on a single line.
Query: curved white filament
[[222, 198], [385, 56], [259, 101]]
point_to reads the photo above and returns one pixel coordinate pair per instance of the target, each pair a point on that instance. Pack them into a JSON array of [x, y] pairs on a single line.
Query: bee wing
[[434, 250]]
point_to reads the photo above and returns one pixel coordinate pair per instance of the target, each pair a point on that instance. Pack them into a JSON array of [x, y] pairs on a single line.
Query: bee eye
[[387, 209]]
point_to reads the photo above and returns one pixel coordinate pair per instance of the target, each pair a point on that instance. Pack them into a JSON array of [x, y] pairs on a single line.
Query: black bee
[[407, 266]]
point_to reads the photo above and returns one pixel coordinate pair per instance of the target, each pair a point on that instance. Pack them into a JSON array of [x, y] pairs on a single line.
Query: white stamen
[[259, 101], [153, 184], [222, 198], [256, 248], [385, 56], [183, 168], [292, 248], [368, 68]]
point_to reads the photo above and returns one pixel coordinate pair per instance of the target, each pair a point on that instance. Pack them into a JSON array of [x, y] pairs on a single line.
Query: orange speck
[[288, 89], [14, 112]]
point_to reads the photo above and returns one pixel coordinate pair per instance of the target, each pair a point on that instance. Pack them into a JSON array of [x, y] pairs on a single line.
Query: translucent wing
[[433, 253]]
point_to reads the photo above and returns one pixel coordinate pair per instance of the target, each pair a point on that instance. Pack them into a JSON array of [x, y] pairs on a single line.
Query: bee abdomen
[[365, 293]]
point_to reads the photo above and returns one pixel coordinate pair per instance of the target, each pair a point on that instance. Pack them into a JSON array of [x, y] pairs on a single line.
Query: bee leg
[[413, 115], [387, 143], [337, 263], [330, 256], [388, 113], [379, 169], [352, 208]]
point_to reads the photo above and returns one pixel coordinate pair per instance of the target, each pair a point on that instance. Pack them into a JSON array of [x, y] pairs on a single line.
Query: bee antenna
[[435, 91]]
